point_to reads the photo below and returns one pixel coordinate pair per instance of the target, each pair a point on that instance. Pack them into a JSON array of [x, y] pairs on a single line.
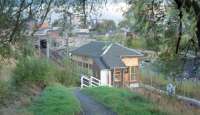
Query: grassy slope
[[123, 102], [187, 88], [56, 100]]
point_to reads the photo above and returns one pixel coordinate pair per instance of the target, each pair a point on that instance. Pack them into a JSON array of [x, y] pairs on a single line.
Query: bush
[[32, 71], [56, 100], [64, 77], [4, 91], [68, 75]]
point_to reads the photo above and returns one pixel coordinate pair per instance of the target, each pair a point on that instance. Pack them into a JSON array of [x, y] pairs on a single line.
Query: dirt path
[[90, 106]]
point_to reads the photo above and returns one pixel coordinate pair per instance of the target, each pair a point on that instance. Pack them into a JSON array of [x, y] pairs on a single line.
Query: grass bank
[[56, 100], [186, 88], [123, 102]]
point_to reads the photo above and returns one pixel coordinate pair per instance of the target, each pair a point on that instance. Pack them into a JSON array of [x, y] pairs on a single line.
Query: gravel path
[[90, 106]]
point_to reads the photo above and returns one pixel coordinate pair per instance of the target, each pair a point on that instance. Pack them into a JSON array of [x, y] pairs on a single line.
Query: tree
[[188, 5], [168, 20], [15, 14], [145, 18], [85, 8], [105, 26], [169, 27], [13, 18]]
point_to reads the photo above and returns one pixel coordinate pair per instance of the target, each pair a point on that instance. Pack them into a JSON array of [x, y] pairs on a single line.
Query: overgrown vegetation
[[27, 80], [159, 80], [128, 41], [124, 102], [32, 71], [56, 100], [4, 92], [172, 105], [41, 72]]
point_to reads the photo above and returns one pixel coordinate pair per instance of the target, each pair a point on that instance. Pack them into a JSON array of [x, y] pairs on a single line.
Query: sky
[[114, 11]]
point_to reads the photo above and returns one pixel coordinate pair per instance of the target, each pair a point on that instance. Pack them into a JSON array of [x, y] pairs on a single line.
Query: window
[[90, 66], [117, 74], [85, 58], [133, 73], [126, 70]]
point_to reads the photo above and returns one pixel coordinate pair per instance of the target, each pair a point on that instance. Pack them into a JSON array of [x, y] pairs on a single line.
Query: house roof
[[113, 56], [106, 55], [100, 63], [92, 49]]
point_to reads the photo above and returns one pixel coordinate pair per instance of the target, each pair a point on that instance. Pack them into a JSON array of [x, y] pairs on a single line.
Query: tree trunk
[[179, 7], [84, 14], [179, 30], [198, 30]]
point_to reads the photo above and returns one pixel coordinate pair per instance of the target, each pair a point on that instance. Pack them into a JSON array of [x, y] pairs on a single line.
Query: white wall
[[105, 77]]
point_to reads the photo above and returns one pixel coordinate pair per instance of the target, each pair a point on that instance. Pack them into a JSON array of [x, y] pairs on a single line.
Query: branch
[[17, 21], [44, 17]]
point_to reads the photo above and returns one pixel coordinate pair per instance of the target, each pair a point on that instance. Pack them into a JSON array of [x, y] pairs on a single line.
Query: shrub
[[4, 91], [31, 70], [65, 77], [56, 100], [68, 75]]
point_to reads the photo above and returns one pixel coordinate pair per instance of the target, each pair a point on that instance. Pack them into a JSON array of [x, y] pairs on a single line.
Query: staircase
[[89, 81]]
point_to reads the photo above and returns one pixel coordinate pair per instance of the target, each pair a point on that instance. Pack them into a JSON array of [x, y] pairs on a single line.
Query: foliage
[[159, 80], [142, 20], [159, 23], [68, 75], [115, 38], [65, 77], [136, 43], [123, 102], [32, 70], [105, 26], [14, 16], [56, 100], [167, 64], [162, 24], [188, 88], [27, 47], [4, 91]]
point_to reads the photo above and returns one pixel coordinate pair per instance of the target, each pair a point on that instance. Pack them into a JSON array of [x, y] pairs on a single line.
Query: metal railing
[[89, 81]]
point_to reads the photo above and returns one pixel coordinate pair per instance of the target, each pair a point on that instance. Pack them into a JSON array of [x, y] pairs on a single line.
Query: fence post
[[90, 81], [81, 81]]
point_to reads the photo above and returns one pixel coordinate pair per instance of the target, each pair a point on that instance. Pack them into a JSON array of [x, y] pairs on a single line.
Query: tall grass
[[4, 92], [154, 79], [32, 71], [41, 72], [124, 102], [189, 89], [186, 88], [56, 100]]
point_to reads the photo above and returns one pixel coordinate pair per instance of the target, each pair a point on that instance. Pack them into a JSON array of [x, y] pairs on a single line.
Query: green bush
[[66, 78], [68, 74], [56, 100], [123, 102], [4, 91], [32, 70]]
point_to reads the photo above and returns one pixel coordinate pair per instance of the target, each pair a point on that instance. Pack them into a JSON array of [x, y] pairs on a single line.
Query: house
[[112, 63], [51, 35], [50, 41]]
